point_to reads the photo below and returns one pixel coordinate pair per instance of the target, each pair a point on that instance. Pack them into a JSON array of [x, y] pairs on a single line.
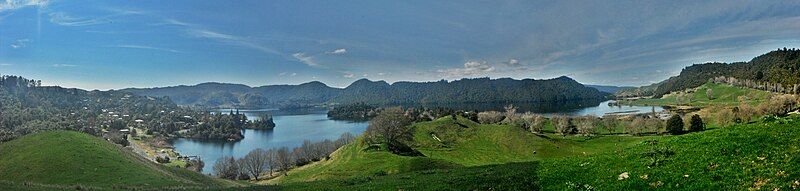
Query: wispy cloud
[[63, 65], [9, 5], [230, 39], [513, 63], [470, 69], [146, 48], [308, 60], [62, 18], [337, 51], [20, 43], [5, 64], [348, 75]]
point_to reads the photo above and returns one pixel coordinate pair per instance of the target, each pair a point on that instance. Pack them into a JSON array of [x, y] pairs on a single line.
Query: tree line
[[260, 162]]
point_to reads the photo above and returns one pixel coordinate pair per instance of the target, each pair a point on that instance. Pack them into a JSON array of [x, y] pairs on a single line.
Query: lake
[[294, 126], [290, 131]]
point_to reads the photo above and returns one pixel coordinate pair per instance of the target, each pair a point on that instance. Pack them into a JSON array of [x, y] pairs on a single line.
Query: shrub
[[533, 122], [696, 124], [675, 125], [586, 125], [563, 125], [511, 115], [635, 126], [490, 117]]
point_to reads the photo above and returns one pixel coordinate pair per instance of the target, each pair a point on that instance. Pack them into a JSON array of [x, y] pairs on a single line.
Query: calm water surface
[[292, 127], [290, 131]]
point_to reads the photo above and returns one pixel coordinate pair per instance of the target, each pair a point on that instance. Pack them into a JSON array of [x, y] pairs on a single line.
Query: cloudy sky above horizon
[[116, 44]]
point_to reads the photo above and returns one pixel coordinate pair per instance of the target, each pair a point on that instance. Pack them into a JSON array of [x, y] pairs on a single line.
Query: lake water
[[290, 131], [294, 126]]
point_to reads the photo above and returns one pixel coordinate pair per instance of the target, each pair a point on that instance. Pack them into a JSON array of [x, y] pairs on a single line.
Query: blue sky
[[147, 43]]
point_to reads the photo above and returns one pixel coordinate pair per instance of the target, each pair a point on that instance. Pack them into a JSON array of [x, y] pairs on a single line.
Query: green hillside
[[761, 155], [57, 159], [724, 95], [472, 145]]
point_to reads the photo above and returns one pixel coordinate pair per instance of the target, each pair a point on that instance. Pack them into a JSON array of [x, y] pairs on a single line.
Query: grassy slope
[[472, 146], [723, 95], [66, 158], [762, 154]]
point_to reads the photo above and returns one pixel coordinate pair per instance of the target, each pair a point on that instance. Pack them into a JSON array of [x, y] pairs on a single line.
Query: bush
[[563, 125], [532, 122], [696, 124], [164, 159], [490, 117], [675, 125]]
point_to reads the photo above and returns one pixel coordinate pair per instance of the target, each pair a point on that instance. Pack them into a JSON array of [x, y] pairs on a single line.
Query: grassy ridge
[[469, 145], [723, 95], [67, 158], [747, 156]]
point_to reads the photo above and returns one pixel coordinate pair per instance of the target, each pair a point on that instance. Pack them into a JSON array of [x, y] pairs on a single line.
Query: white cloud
[[513, 62], [62, 18], [308, 60], [470, 69], [338, 51], [294, 74], [20, 43], [147, 48], [381, 73], [5, 64], [349, 75], [227, 38], [282, 74], [9, 5], [63, 65]]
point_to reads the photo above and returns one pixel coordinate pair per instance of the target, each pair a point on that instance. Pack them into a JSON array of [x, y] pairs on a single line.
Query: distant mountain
[[609, 89], [480, 90], [779, 67], [224, 95]]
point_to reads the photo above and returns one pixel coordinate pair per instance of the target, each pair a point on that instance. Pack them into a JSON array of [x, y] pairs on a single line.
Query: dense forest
[[26, 107], [479, 90], [777, 67], [222, 95]]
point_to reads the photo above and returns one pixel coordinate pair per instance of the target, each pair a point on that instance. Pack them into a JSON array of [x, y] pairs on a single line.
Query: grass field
[[67, 159], [475, 145], [723, 95], [761, 155]]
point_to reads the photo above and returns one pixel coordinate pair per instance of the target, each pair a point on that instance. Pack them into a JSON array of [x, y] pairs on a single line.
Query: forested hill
[[479, 90], [223, 95], [778, 67]]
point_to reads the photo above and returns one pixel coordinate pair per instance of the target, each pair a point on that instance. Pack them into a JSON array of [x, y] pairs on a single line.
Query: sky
[[115, 44]]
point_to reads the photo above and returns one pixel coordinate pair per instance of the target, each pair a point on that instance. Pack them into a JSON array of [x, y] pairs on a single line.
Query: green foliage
[[354, 112], [478, 90], [780, 67], [696, 124], [675, 125]]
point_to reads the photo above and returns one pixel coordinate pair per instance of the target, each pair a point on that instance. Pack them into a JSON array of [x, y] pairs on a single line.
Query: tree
[[227, 167], [271, 161], [710, 94], [511, 114], [563, 125], [490, 117], [283, 159], [696, 124], [391, 127], [675, 125], [255, 162]]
